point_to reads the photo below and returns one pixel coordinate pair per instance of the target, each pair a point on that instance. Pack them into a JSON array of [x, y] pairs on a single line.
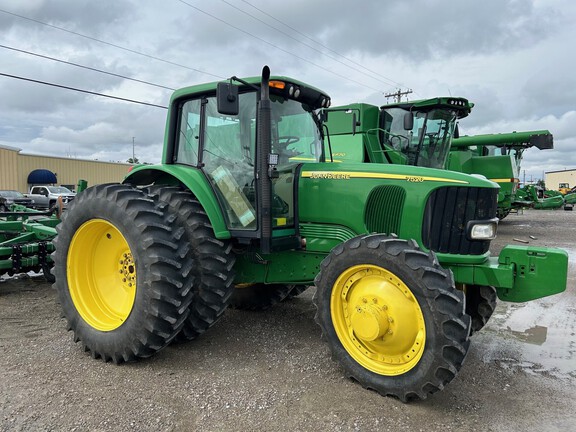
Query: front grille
[[447, 213], [384, 208]]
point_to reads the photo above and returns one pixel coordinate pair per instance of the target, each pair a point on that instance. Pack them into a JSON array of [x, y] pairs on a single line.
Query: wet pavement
[[540, 336]]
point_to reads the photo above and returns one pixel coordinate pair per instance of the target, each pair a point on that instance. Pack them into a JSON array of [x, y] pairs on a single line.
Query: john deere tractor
[[246, 205]]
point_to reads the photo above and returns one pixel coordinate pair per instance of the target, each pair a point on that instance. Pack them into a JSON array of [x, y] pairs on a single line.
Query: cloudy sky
[[513, 58]]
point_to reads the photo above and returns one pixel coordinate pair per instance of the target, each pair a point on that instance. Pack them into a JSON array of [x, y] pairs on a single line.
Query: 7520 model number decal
[[347, 175]]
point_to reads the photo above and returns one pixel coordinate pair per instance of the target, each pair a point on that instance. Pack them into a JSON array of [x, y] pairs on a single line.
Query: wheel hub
[[370, 321], [127, 270], [378, 319]]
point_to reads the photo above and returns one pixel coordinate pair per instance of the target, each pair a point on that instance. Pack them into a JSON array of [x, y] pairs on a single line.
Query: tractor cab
[[247, 137]]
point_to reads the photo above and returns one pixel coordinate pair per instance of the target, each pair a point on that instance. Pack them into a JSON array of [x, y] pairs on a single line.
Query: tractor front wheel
[[392, 316], [118, 267]]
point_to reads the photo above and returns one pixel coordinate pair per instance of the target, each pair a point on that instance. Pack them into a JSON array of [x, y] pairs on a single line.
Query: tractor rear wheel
[[392, 316], [118, 268], [259, 296], [480, 305], [213, 260]]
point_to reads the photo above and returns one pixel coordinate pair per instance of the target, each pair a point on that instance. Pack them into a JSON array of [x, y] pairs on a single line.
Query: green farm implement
[[26, 241], [540, 201], [26, 238]]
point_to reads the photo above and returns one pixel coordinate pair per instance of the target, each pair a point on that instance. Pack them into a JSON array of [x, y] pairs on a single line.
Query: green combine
[[247, 205]]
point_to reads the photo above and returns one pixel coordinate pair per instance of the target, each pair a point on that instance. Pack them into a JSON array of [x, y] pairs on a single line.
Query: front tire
[[391, 316], [118, 269]]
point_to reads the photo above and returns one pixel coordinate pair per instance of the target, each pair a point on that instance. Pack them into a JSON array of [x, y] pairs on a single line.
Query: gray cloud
[[511, 58]]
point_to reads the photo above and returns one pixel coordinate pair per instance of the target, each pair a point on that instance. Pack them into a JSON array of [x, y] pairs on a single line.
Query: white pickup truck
[[47, 196]]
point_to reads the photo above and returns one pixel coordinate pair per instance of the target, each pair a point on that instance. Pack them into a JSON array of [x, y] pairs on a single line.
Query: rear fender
[[188, 177]]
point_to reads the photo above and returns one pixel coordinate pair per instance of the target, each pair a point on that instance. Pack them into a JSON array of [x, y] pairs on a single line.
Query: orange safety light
[[277, 84]]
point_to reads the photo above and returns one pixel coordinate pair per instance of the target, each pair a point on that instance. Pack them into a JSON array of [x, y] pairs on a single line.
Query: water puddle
[[537, 337]]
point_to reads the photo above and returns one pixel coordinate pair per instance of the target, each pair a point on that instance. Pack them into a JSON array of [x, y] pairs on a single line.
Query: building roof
[[5, 147], [564, 170]]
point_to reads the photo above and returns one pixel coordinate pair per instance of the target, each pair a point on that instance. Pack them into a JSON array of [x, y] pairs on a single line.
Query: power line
[[113, 45], [181, 65], [85, 67], [319, 43], [390, 83], [83, 91], [277, 47]]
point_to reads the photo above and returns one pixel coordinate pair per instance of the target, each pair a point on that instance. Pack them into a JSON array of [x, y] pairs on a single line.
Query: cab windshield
[[428, 142]]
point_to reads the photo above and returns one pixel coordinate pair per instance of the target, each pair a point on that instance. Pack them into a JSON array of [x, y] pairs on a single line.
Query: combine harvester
[[498, 157]]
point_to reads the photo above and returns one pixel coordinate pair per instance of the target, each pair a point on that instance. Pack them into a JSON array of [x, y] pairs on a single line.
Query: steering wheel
[[399, 138]]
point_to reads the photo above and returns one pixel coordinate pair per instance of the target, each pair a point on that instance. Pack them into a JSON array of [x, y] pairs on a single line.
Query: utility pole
[[133, 152], [397, 95]]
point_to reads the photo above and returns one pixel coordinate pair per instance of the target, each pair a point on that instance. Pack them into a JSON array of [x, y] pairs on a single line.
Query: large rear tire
[[392, 316], [213, 258], [118, 268]]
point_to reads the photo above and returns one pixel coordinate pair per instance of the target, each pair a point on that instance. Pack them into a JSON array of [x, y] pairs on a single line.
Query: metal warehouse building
[[15, 169], [554, 178]]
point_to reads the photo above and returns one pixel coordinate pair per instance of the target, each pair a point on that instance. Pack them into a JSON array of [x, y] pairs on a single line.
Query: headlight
[[482, 230]]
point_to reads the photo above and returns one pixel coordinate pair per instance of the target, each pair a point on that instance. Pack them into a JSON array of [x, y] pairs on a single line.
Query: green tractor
[[246, 206], [498, 158]]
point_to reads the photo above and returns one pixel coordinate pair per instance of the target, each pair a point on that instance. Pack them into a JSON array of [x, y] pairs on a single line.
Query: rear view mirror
[[227, 98], [408, 121]]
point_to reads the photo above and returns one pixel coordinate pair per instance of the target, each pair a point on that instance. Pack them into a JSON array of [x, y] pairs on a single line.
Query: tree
[[133, 161]]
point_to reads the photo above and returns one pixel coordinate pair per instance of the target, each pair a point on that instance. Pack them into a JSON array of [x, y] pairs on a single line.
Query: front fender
[[192, 179]]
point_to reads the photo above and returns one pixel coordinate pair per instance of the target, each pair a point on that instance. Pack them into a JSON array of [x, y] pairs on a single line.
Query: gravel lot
[[270, 371]]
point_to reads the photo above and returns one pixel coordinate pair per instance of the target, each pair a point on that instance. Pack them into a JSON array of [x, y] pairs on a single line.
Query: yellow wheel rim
[[378, 320], [101, 275]]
